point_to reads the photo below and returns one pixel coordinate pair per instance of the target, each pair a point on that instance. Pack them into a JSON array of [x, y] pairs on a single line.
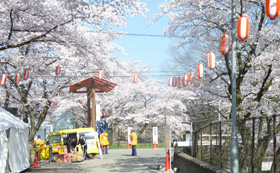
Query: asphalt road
[[117, 161]]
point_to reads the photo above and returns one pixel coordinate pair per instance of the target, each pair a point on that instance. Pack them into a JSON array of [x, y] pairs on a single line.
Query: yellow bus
[[59, 140]]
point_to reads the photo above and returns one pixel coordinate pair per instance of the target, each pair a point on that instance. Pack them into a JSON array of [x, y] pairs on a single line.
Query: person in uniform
[[36, 144], [104, 142], [133, 138]]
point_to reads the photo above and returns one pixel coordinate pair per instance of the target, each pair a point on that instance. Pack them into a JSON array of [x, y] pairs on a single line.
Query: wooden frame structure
[[91, 86]]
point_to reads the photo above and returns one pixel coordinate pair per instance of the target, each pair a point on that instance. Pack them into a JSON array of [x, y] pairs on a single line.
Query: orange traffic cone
[[167, 161], [155, 145], [35, 164], [127, 147]]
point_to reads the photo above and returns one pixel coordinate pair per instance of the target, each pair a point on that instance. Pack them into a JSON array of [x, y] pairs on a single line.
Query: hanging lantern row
[[272, 12], [25, 76], [106, 112], [188, 79]]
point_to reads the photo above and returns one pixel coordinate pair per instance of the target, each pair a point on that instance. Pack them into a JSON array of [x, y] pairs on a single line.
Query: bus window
[[88, 135], [55, 139]]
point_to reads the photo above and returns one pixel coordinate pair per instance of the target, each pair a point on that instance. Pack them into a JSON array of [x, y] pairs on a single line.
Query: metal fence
[[144, 138], [47, 155], [258, 138]]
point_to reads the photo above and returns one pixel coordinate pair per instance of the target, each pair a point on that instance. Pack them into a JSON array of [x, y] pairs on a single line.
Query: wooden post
[[220, 136], [274, 145], [253, 146], [210, 143], [201, 145], [88, 111], [93, 109]]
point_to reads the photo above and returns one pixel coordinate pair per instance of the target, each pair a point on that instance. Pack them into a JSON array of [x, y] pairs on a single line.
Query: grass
[[139, 146]]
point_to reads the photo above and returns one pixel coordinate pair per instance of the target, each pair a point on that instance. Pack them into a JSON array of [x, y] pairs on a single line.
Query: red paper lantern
[[26, 74], [100, 76], [243, 28], [272, 8], [170, 81], [57, 70], [17, 77], [174, 82], [3, 79], [83, 103], [185, 80], [191, 76], [225, 44], [200, 70], [135, 78], [211, 60], [179, 82]]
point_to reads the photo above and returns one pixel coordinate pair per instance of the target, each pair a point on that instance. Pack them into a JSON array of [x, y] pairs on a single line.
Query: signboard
[[128, 134], [155, 135], [98, 113]]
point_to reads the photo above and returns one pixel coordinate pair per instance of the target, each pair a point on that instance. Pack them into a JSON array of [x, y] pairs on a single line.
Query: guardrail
[[41, 148], [258, 139]]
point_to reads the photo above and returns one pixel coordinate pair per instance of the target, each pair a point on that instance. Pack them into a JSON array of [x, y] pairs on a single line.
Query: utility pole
[[234, 166], [164, 112]]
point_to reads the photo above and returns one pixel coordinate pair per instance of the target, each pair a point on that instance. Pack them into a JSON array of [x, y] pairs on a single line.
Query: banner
[[98, 112], [128, 134], [155, 135]]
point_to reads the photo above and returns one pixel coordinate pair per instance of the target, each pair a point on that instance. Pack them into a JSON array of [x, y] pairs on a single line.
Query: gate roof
[[99, 85]]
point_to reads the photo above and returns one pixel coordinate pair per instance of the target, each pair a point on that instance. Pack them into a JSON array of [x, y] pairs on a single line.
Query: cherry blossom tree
[[39, 35], [203, 22]]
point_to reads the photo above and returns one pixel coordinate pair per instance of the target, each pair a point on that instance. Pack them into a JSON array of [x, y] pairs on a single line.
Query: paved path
[[117, 161]]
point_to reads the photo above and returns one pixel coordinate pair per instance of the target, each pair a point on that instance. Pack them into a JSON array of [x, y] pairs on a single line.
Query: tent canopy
[[8, 120]]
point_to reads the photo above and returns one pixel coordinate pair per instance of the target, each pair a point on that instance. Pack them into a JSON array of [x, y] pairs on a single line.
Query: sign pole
[[234, 166]]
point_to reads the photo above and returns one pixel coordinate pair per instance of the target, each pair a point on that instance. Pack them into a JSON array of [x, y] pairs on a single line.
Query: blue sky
[[148, 50]]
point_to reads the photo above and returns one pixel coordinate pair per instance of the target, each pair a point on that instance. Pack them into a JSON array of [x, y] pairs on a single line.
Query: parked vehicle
[[59, 142]]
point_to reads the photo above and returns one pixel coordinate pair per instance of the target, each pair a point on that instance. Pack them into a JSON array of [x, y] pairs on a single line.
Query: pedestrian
[[36, 144], [133, 138], [72, 142], [83, 143], [104, 142]]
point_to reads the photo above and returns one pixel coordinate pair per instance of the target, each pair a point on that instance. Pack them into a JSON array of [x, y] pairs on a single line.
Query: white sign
[[98, 113], [128, 134], [155, 135]]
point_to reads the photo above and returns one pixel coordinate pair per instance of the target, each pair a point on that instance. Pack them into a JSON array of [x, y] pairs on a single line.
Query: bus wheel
[[90, 156]]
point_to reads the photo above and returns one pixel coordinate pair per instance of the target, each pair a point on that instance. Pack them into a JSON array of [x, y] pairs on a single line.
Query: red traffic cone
[[127, 147], [155, 145], [167, 161], [35, 164]]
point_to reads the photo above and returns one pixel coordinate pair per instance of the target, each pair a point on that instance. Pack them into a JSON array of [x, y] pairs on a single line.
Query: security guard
[[104, 141], [36, 144], [133, 138]]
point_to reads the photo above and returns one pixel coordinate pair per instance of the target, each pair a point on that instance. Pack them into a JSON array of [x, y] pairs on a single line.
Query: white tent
[[13, 142]]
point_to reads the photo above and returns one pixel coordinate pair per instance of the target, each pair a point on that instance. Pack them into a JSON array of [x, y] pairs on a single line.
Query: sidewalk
[[117, 161]]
